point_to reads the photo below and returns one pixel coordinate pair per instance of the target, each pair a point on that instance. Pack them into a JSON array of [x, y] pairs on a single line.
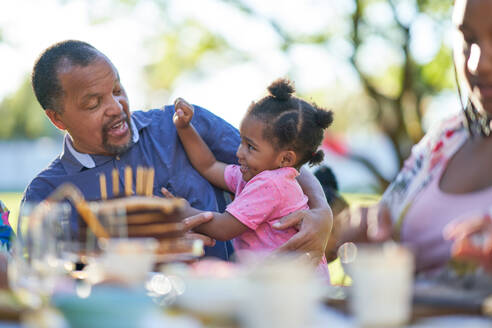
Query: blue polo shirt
[[155, 143]]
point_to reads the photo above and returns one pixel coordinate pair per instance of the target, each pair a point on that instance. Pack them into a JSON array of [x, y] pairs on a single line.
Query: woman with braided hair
[[279, 134]]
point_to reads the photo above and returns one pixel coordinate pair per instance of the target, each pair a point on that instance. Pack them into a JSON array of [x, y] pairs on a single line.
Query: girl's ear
[[288, 158], [55, 118]]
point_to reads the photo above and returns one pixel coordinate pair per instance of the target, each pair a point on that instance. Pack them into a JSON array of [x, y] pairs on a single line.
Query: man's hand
[[314, 231], [183, 113]]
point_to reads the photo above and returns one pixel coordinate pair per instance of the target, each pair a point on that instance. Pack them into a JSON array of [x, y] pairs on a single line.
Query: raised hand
[[183, 112]]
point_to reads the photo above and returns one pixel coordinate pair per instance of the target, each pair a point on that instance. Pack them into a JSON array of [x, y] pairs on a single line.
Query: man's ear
[[288, 158], [55, 118]]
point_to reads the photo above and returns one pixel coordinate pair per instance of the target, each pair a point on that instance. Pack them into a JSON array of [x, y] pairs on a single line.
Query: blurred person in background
[[432, 205], [329, 183]]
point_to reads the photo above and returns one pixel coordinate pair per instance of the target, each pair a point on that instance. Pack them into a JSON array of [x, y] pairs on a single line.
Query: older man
[[81, 93]]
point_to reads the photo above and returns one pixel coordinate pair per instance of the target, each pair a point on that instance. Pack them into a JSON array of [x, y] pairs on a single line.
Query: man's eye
[[93, 105]]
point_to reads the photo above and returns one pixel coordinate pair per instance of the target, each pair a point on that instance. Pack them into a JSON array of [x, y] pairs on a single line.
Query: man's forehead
[[65, 64], [99, 69]]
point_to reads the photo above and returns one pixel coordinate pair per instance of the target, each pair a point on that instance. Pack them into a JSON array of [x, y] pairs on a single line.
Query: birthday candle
[[149, 183], [128, 181], [102, 186], [140, 181], [116, 183]]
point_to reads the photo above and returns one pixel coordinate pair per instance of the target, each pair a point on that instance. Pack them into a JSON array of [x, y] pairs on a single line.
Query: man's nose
[[114, 106]]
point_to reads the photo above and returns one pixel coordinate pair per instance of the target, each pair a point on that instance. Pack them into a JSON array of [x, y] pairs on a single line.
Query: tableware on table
[[127, 260], [281, 291], [107, 306], [35, 266], [209, 287], [382, 277]]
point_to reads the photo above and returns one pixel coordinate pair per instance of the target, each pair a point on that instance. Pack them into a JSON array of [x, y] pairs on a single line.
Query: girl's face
[[473, 56], [256, 154]]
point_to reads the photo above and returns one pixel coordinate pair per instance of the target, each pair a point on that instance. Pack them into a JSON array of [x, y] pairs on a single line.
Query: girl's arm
[[198, 152], [222, 227]]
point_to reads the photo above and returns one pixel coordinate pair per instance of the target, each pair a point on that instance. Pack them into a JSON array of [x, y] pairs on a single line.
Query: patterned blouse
[[425, 164], [437, 146]]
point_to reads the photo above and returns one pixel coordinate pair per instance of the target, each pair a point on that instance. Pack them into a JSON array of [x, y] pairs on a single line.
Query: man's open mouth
[[117, 129]]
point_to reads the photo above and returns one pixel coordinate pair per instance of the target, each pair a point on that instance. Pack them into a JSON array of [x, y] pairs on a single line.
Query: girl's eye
[[250, 147], [117, 92]]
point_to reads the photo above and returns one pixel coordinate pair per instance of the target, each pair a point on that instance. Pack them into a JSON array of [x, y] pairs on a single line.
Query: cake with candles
[[133, 213]]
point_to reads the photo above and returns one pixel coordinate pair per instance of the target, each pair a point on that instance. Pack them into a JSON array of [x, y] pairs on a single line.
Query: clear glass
[[36, 264]]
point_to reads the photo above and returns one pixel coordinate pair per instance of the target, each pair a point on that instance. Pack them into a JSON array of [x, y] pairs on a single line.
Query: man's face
[[95, 109]]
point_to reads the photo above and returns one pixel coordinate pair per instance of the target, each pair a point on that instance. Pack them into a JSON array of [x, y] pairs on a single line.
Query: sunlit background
[[383, 66]]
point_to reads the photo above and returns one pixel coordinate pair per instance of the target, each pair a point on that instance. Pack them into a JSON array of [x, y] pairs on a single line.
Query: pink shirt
[[431, 211], [262, 201]]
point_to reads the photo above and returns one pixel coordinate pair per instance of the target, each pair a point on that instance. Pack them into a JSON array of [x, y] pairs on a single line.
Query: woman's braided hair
[[292, 123]]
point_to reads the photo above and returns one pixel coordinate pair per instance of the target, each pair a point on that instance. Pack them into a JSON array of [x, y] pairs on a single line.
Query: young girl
[[279, 134]]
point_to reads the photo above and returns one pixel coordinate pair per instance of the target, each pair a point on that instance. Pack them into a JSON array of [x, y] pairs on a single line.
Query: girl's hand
[[167, 194], [472, 239], [193, 222], [183, 113]]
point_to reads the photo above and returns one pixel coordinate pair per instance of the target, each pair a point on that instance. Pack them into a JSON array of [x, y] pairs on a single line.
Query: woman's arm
[[198, 152]]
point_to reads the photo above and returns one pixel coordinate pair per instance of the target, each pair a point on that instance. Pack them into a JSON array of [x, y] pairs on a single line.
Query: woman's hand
[[183, 113], [472, 239], [314, 231], [360, 224]]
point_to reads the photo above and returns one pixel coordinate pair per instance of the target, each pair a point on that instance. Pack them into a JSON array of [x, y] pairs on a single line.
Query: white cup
[[129, 260], [381, 293], [281, 292]]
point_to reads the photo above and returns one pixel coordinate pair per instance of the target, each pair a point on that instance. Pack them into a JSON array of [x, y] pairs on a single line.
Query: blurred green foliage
[[23, 117], [392, 99], [179, 55]]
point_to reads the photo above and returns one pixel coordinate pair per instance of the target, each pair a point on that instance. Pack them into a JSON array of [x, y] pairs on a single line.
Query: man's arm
[[312, 188], [314, 224]]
